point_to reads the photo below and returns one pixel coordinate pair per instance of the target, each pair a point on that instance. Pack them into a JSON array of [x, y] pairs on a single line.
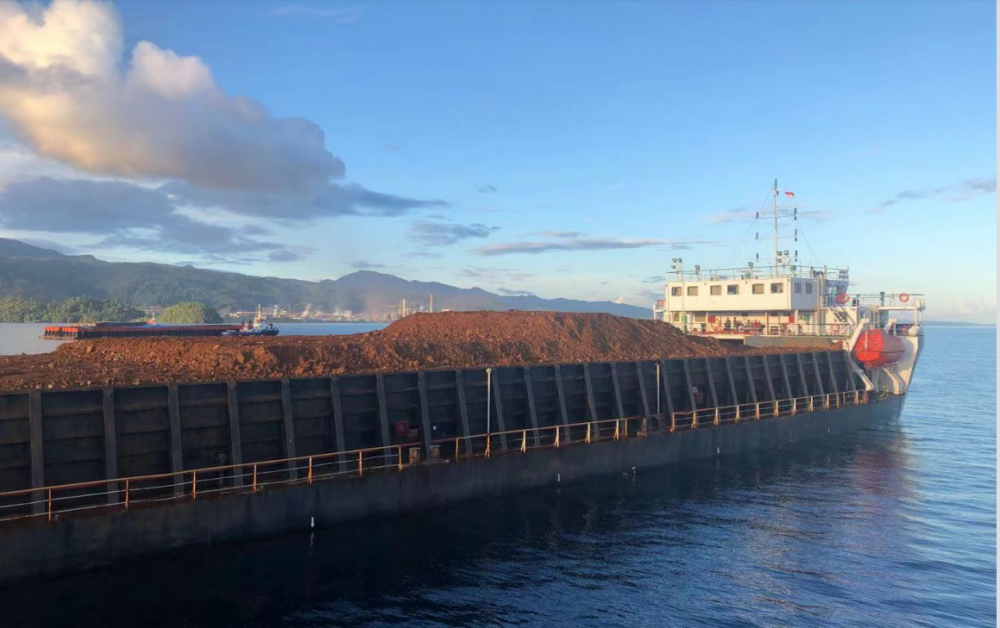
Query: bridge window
[[675, 292], [798, 287], [758, 288], [692, 291], [715, 290], [809, 288], [777, 288], [732, 289]]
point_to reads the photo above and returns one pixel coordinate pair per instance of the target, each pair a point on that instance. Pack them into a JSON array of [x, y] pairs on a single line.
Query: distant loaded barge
[[90, 331], [150, 328]]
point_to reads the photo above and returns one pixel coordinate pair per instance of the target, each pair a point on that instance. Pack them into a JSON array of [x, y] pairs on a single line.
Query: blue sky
[[608, 136]]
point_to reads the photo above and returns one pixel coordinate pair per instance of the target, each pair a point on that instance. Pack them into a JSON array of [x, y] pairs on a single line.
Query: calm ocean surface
[[893, 527]]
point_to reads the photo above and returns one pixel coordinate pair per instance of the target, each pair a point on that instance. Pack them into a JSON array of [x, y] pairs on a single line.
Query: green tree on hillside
[[83, 310], [19, 309], [189, 312]]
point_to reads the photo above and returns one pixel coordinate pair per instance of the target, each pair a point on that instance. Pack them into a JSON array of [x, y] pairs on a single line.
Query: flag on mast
[[790, 194]]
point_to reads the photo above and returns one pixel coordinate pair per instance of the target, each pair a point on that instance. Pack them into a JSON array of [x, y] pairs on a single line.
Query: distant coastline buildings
[[310, 314]]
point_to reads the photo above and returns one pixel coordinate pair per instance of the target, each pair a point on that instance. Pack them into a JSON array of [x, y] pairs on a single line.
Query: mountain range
[[47, 275]]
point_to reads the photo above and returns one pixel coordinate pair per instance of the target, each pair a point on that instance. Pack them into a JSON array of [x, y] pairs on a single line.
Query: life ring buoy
[[843, 298], [835, 330], [903, 297]]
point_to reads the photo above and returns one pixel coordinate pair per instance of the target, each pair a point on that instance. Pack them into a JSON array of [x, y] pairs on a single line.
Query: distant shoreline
[[315, 322]]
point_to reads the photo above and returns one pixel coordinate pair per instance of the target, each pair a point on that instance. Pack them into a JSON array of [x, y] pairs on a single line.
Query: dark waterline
[[890, 527]]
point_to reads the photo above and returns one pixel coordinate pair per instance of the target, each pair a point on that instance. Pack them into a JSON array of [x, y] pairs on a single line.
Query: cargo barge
[[90, 331], [91, 476]]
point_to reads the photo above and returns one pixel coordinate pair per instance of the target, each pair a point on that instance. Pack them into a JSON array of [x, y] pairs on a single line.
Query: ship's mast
[[777, 268]]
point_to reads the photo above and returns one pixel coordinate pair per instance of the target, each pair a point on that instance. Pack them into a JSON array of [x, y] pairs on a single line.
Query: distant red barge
[[89, 331]]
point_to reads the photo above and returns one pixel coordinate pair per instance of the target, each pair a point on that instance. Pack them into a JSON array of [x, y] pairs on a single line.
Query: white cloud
[[582, 244], [163, 72], [956, 192], [163, 117], [143, 147], [431, 233], [974, 310]]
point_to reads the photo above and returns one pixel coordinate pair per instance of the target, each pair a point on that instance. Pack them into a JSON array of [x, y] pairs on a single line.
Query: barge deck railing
[[118, 494]]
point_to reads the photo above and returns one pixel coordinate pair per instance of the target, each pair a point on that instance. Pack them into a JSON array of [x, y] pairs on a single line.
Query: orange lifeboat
[[877, 348]]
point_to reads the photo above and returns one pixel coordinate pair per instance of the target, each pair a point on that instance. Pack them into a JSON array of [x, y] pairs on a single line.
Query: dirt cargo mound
[[445, 340]]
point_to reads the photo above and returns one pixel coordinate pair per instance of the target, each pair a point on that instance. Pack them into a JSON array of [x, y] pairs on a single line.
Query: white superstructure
[[739, 302], [786, 304]]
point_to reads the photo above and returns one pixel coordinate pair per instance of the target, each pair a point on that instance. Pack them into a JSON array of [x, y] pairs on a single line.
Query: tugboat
[[259, 327]]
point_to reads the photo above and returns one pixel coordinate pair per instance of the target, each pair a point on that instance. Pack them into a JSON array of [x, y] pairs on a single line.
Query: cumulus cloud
[[71, 92], [961, 191], [65, 90], [431, 233], [581, 244], [66, 206]]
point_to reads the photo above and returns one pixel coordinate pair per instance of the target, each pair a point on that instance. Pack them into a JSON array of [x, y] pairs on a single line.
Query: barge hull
[[72, 544], [94, 475], [93, 332]]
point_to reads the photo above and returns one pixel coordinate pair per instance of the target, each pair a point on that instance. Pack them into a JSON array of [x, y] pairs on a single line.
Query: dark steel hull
[[38, 548]]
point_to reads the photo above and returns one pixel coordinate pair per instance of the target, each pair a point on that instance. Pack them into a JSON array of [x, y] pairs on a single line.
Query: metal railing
[[890, 299], [769, 271], [826, 330], [725, 415], [123, 494]]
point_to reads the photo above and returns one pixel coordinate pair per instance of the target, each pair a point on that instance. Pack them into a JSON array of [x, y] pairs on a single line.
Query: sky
[[564, 149]]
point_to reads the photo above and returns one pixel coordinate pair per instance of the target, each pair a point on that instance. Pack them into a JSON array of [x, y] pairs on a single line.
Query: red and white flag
[[790, 194]]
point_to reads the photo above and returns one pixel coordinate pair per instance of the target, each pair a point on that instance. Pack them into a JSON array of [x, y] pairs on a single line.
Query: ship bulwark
[[251, 458]]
